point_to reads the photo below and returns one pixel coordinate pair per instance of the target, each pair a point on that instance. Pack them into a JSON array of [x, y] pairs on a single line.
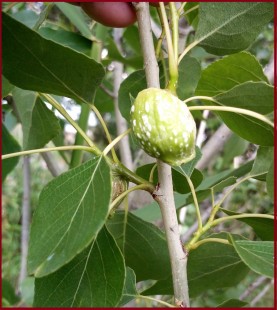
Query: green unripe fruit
[[163, 126]]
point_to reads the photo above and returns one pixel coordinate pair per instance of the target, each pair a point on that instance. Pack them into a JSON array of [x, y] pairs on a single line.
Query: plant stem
[[197, 244], [213, 223], [77, 155], [135, 188], [240, 216], [50, 149], [192, 189], [233, 110], [172, 61], [154, 299], [108, 136], [175, 31], [64, 113], [115, 141], [96, 50], [178, 258], [120, 169]]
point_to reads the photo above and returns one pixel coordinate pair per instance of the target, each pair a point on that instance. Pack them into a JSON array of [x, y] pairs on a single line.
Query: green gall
[[163, 126]]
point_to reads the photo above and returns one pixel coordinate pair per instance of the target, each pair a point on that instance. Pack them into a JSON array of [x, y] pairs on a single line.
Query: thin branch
[[51, 164], [252, 287], [25, 225], [178, 258], [261, 294], [121, 124]]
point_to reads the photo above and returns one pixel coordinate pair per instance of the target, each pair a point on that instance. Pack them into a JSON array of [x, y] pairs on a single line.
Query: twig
[[214, 146], [261, 294], [252, 287], [25, 225], [51, 165], [121, 124], [166, 201]]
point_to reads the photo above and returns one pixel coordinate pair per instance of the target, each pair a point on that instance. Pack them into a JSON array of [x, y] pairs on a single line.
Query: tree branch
[[25, 224], [121, 124], [165, 199]]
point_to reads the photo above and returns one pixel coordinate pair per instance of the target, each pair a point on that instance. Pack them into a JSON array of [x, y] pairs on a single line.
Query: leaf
[[27, 17], [229, 27], [263, 160], [131, 36], [270, 181], [130, 290], [257, 255], [253, 96], [151, 212], [67, 38], [206, 266], [45, 66], [133, 84], [263, 227], [228, 72], [9, 296], [192, 15], [72, 209], [40, 125], [94, 278], [114, 54], [190, 166], [77, 17], [9, 145], [233, 147], [7, 87], [145, 248], [232, 303], [249, 96], [180, 183], [189, 74]]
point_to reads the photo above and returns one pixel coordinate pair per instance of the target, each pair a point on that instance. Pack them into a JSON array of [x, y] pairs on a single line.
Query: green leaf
[[180, 183], [270, 181], [67, 38], [229, 27], [232, 303], [228, 72], [9, 296], [151, 212], [72, 209], [114, 54], [192, 15], [253, 96], [45, 66], [257, 255], [263, 227], [9, 145], [249, 96], [210, 266], [131, 36], [130, 290], [235, 146], [94, 278], [145, 248], [40, 125], [133, 84], [7, 87], [77, 17], [189, 74], [262, 162], [27, 17]]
